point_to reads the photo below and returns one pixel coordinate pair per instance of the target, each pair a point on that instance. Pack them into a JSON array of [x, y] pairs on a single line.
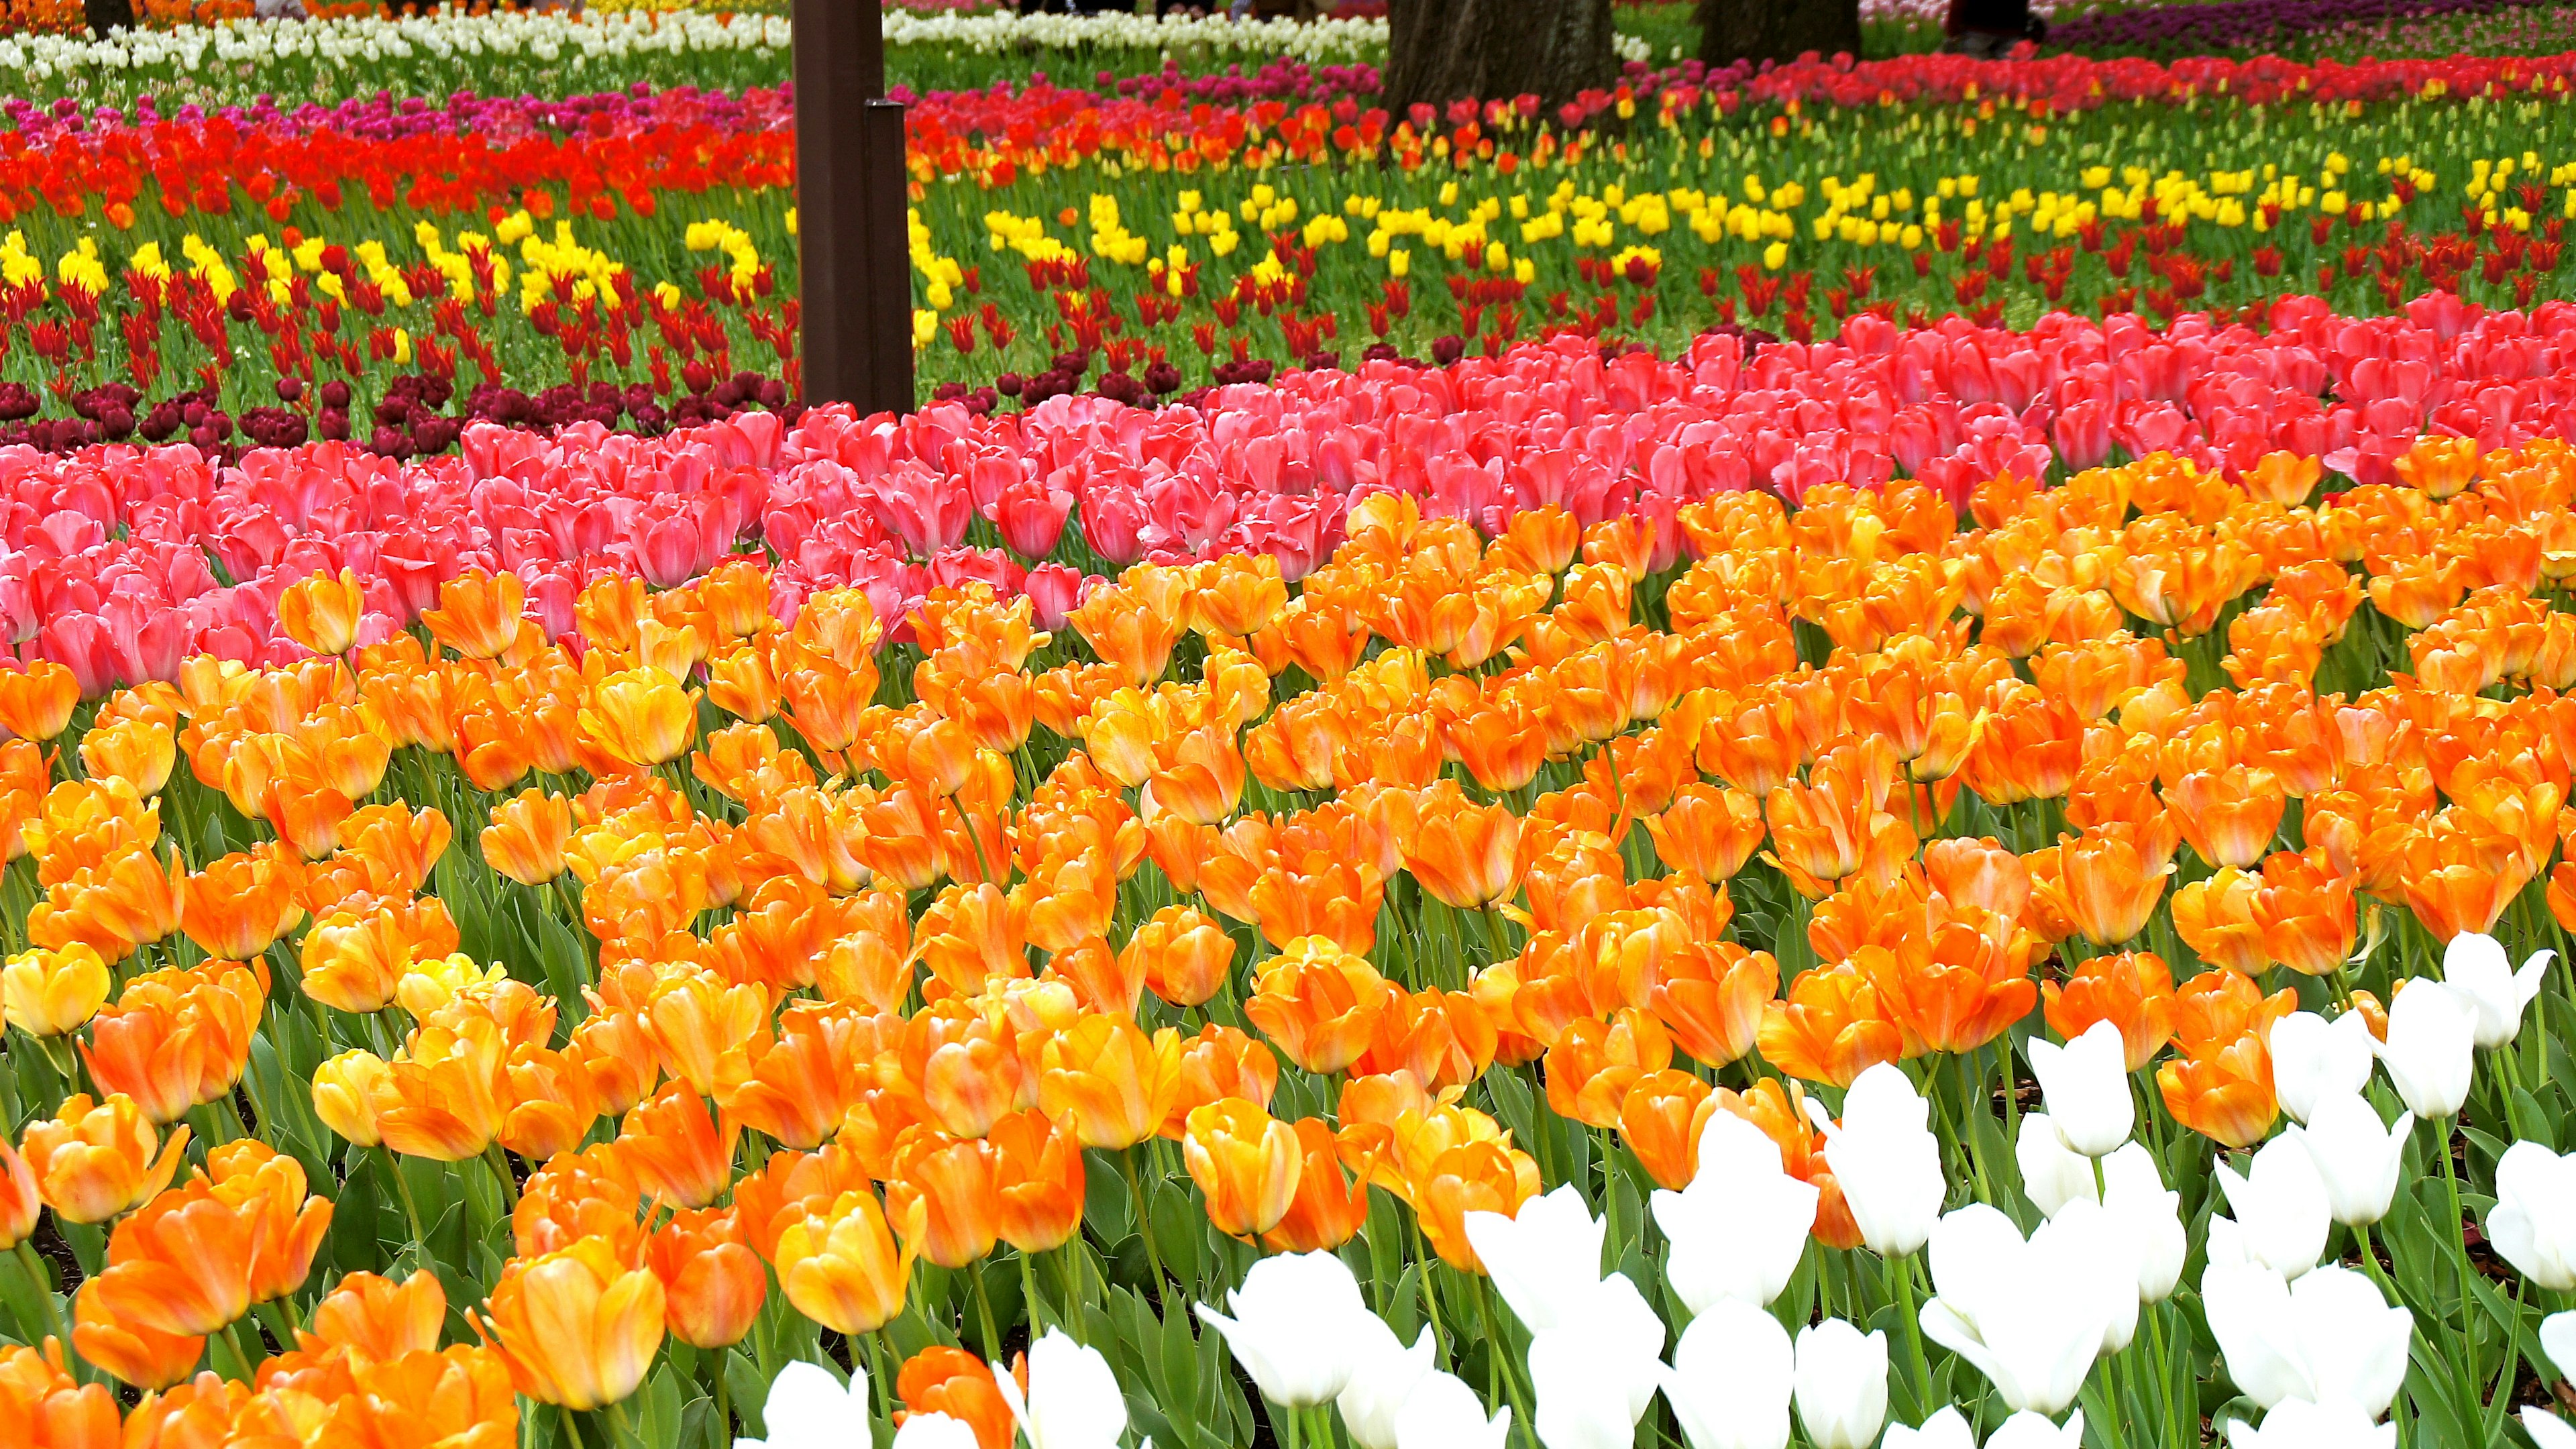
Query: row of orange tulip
[[945, 931]]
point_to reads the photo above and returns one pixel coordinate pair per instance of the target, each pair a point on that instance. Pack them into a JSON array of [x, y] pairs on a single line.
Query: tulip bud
[[94, 1161], [2429, 1051], [1384, 1379], [2533, 1223], [1887, 1160], [1738, 1231], [1072, 1399], [1840, 1384], [2357, 1156], [808, 1404], [2281, 1210], [1293, 1327], [2474, 966], [1245, 1163], [2313, 1059], [1446, 1414], [53, 993], [1730, 1380], [2331, 1337], [2086, 1083], [1545, 1260]]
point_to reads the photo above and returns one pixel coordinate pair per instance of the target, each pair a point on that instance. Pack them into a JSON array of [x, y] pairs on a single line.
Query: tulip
[[2533, 1222], [2329, 1338], [2546, 1429], [1738, 1231], [2313, 1059], [2148, 1215], [1729, 1383], [1443, 1413], [1292, 1328], [1603, 1355], [810, 1408], [712, 1283], [2026, 1430], [951, 1383], [1246, 1165], [133, 1351], [1887, 1160], [1384, 1377], [2474, 966], [839, 1264], [2052, 1174], [1840, 1384], [2356, 1156], [95, 1160], [2282, 1210], [2558, 1341], [1072, 1401], [1546, 1259], [380, 1319], [53, 993], [577, 1327], [2429, 1053], [2026, 1314], [1947, 1429], [919, 1431], [2086, 1084]]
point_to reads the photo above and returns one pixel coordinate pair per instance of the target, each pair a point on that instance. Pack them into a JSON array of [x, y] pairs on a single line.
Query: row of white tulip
[[601, 37], [1316, 42]]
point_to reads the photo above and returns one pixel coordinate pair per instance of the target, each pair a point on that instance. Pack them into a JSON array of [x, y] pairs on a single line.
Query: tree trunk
[[1732, 30], [106, 15], [1496, 50]]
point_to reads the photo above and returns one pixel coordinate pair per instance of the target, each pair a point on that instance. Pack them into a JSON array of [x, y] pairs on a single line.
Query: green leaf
[[659, 1407], [750, 1391]]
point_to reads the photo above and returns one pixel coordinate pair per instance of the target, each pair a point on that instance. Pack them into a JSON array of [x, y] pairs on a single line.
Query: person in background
[[1989, 29]]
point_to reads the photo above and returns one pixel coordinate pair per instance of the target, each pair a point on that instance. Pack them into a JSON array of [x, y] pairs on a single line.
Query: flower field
[[1869, 753]]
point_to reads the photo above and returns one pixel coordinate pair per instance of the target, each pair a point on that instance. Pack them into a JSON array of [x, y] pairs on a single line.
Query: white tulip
[[1730, 1380], [2029, 1315], [2086, 1086], [1887, 1161], [1946, 1429], [1386, 1375], [1840, 1385], [2313, 1058], [1443, 1413], [2329, 1338], [2298, 1424], [2430, 1051], [1072, 1401], [1545, 1259], [2475, 967], [2027, 1430], [2558, 1341], [2052, 1174], [2547, 1429], [809, 1407], [2533, 1222], [1294, 1329], [927, 1431], [1740, 1228], [2282, 1211], [2150, 1215], [2356, 1155]]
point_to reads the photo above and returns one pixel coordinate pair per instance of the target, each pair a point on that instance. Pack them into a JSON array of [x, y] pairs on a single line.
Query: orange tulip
[[1218, 1063], [182, 1264], [139, 752], [239, 904], [1479, 1176], [640, 717], [1038, 1181], [712, 1283], [1708, 830], [675, 1150], [444, 1096], [2213, 1009], [943, 1190], [378, 1320], [951, 1381], [479, 613], [1182, 954], [36, 699], [1711, 999], [1246, 1165], [1660, 1120], [1595, 1062], [1114, 1082], [21, 1199], [839, 1266], [1330, 1206], [525, 840], [53, 993], [1318, 1004], [2229, 815], [355, 958], [577, 1328], [322, 613], [129, 1350], [801, 1088], [2215, 917], [1464, 856], [268, 1188], [2225, 1095], [2103, 884], [2132, 990], [170, 1051], [129, 899], [95, 1160], [1830, 1029]]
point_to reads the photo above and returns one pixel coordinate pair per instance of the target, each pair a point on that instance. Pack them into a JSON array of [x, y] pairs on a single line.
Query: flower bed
[[1495, 877]]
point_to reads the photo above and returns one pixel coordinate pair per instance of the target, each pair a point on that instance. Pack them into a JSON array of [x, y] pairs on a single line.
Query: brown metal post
[[853, 257]]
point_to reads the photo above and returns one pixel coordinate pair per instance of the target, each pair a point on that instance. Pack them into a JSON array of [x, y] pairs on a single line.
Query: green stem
[[1900, 1276], [42, 1282], [2460, 1261], [1494, 1345], [1144, 1221], [1038, 1315], [984, 1311], [500, 1162], [411, 1206], [2165, 1377]]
